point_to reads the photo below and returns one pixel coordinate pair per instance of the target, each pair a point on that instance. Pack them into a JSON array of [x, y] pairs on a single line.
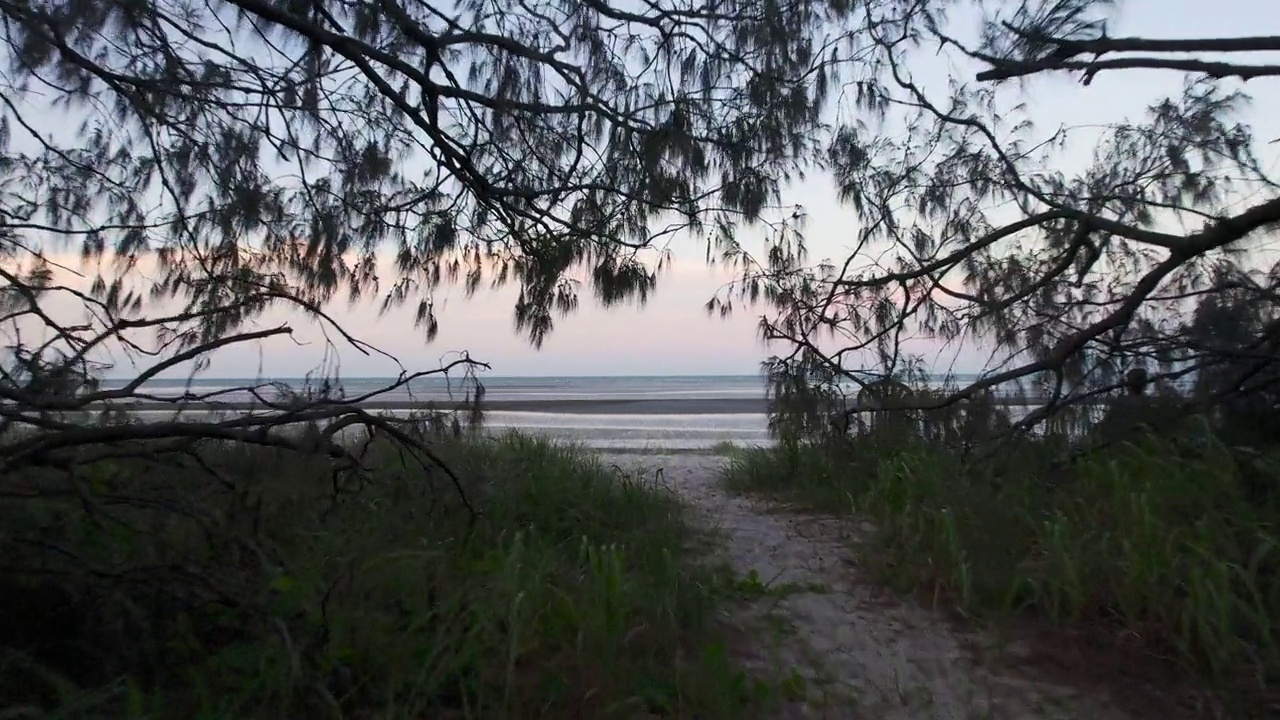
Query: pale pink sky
[[672, 334]]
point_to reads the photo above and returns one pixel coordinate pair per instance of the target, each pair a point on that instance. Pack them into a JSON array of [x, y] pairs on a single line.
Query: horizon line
[[488, 377]]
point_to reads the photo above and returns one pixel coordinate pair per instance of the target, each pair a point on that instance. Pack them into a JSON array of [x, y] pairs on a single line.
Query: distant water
[[657, 387], [612, 430]]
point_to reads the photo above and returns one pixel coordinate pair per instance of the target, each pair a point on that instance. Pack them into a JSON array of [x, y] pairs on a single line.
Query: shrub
[[240, 582]]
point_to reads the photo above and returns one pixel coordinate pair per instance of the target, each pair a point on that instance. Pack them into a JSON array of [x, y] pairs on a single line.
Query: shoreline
[[676, 406], [600, 406]]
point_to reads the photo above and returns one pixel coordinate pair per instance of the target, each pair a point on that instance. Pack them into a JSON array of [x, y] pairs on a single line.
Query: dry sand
[[863, 655]]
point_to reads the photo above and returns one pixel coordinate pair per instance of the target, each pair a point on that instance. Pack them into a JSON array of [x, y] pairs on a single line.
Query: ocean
[[621, 413]]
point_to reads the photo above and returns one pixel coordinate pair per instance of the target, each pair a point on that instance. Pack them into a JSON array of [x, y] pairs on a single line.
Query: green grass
[[1177, 547], [577, 592], [728, 448]]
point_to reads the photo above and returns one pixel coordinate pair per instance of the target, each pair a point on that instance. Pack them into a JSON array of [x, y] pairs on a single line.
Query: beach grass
[[728, 448], [1165, 551], [232, 584]]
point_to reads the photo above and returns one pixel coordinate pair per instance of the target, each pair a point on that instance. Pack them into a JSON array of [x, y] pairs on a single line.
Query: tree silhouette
[[210, 160], [1234, 334], [970, 231]]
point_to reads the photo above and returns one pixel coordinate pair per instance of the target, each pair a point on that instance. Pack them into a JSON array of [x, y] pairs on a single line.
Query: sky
[[672, 334]]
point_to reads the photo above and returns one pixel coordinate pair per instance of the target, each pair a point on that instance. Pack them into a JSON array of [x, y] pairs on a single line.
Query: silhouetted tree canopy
[[1235, 334], [262, 153], [973, 224], [211, 159], [265, 149]]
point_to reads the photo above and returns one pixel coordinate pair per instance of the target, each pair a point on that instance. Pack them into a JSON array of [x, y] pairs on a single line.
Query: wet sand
[[646, 406]]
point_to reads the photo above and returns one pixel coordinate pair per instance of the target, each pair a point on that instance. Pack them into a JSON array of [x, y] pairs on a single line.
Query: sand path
[[863, 655]]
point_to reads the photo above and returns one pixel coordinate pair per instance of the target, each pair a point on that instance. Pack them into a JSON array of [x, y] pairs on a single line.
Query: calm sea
[[618, 430]]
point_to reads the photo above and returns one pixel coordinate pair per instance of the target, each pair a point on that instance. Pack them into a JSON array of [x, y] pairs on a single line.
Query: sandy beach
[[662, 406], [603, 406], [863, 653]]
